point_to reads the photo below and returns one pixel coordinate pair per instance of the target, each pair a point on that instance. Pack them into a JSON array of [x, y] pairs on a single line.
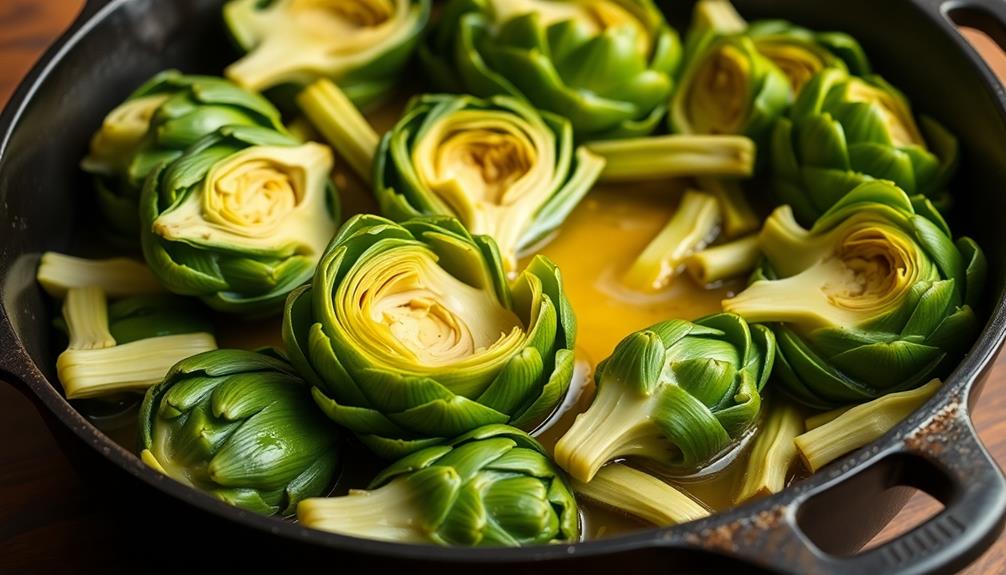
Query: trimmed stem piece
[[389, 513], [342, 125], [641, 495], [692, 226], [773, 453], [725, 261], [739, 217], [116, 277], [860, 425], [675, 156], [131, 367], [86, 313]]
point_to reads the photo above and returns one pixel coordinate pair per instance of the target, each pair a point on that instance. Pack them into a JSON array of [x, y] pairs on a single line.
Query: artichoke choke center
[[342, 13], [256, 194], [486, 161]]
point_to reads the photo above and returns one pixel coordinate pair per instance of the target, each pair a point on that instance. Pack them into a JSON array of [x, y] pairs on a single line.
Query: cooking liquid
[[593, 250]]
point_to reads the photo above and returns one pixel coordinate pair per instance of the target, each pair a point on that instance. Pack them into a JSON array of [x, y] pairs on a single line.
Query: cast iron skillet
[[814, 527]]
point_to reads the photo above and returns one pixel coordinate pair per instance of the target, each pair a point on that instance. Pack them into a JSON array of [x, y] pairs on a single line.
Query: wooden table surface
[[48, 521]]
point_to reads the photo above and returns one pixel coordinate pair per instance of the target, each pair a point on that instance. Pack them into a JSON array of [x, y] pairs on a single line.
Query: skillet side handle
[[943, 458]]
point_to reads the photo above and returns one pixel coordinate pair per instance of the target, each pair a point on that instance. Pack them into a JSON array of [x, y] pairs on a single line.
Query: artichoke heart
[[240, 219], [241, 426], [165, 115], [607, 65], [412, 334], [494, 486], [360, 44], [875, 298], [677, 395], [501, 167], [843, 131]]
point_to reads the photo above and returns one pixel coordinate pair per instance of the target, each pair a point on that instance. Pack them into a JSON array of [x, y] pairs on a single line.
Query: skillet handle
[[968, 12], [944, 458]]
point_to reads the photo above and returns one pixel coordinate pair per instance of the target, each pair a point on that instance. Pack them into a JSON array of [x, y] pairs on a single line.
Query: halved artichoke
[[676, 394], [843, 131], [411, 334], [240, 219], [498, 165], [165, 115], [875, 298], [241, 426], [729, 87], [362, 45], [607, 65], [494, 486]]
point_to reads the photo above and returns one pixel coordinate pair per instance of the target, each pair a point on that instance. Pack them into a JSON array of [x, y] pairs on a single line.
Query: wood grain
[[48, 521]]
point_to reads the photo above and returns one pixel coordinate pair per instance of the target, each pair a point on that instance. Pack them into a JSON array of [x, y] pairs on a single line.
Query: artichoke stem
[[675, 156], [860, 425], [117, 277], [640, 495], [815, 421], [692, 226], [267, 65], [616, 425], [390, 513], [86, 313], [773, 453], [739, 217], [718, 16], [342, 125], [724, 262], [131, 367]]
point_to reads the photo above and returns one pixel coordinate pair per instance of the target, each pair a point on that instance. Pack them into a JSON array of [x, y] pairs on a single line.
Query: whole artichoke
[[676, 394], [498, 165], [494, 486], [165, 115], [362, 45], [241, 426], [607, 65], [411, 334], [843, 131], [240, 219], [875, 298]]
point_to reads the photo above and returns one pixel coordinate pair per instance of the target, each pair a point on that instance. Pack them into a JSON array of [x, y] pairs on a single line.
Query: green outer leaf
[[240, 425]]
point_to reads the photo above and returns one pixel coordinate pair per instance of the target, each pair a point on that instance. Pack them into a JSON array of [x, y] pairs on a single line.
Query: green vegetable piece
[[162, 118], [240, 426], [412, 334], [494, 486], [676, 394], [126, 346], [240, 219], [362, 45], [498, 165], [607, 65], [875, 298], [844, 131]]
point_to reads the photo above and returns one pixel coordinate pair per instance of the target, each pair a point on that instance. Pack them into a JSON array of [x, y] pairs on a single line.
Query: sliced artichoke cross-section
[[607, 65], [875, 298], [412, 334], [165, 115], [498, 165], [362, 45], [676, 395], [240, 219]]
